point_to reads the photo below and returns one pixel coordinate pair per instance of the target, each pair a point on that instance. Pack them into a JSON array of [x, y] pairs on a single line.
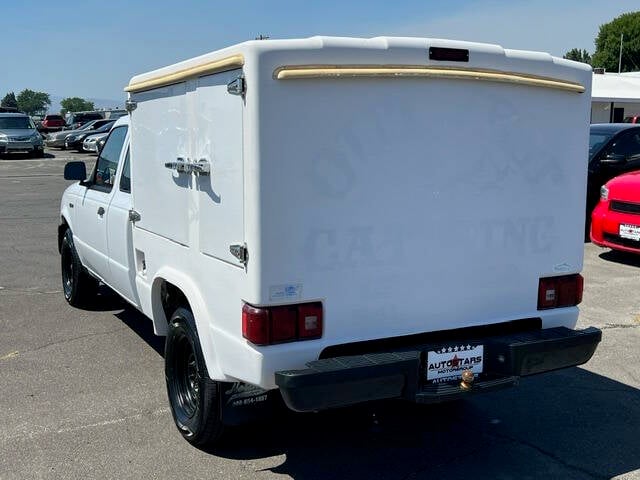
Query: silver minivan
[[19, 134]]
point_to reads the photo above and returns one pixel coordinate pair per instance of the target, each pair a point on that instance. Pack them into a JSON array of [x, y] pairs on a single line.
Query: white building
[[615, 96]]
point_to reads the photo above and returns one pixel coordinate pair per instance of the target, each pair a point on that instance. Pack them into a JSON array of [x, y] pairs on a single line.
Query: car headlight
[[604, 193], [4, 138]]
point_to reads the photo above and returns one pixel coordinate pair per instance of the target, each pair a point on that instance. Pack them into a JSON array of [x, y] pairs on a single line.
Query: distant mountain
[[98, 102]]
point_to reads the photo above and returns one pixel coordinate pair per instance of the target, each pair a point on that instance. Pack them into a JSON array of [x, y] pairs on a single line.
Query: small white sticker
[[285, 292]]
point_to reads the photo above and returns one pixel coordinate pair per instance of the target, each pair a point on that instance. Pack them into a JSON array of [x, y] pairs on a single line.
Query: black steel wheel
[[78, 286], [186, 380], [193, 396]]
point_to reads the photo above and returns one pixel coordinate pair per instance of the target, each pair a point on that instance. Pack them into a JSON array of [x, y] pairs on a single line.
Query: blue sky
[[91, 48]]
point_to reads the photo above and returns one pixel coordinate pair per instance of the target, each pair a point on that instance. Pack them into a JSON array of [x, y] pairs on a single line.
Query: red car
[[615, 222], [53, 123]]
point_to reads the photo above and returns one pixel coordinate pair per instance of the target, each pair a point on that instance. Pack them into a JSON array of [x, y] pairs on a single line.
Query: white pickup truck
[[342, 220]]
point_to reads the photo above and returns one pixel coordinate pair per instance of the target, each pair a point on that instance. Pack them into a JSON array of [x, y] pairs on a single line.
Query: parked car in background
[[632, 119], [37, 121], [75, 140], [90, 143], [614, 148], [52, 123], [615, 222], [58, 139], [100, 143], [18, 134], [114, 114], [77, 119]]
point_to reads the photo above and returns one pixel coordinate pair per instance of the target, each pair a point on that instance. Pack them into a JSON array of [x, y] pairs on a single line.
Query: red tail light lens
[[556, 292], [283, 324], [255, 324], [269, 325]]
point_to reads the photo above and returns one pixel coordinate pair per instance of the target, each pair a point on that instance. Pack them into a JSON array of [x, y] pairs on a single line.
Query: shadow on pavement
[[567, 424], [24, 156], [624, 258], [107, 300], [142, 326], [570, 424]]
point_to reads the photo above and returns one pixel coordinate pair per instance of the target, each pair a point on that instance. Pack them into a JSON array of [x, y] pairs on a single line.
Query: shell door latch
[[240, 251]]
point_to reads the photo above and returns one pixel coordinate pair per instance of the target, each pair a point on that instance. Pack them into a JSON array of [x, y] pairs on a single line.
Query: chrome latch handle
[[201, 167], [180, 165]]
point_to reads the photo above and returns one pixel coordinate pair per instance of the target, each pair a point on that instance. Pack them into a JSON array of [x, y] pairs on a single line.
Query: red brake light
[[283, 324], [269, 325], [556, 292], [255, 324]]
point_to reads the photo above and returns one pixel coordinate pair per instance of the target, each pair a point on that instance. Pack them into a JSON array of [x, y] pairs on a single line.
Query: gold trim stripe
[[350, 71], [229, 63]]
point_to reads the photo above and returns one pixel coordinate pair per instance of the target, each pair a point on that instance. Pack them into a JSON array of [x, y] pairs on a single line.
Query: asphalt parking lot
[[82, 393]]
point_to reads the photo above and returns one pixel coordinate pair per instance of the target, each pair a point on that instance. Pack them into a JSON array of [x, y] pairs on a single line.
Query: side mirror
[[75, 171]]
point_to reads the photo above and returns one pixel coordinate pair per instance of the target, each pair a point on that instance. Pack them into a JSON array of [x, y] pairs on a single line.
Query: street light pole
[[620, 57]]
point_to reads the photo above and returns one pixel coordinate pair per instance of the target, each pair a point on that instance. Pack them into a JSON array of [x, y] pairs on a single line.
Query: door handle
[[180, 165], [101, 211], [201, 167]]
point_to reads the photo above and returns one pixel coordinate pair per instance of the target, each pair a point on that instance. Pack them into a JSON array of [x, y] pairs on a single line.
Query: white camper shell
[[349, 219]]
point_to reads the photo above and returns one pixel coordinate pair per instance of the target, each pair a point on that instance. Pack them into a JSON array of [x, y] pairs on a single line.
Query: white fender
[[199, 310]]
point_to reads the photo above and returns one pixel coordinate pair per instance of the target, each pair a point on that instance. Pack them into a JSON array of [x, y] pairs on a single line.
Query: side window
[[125, 178], [627, 145], [107, 164]]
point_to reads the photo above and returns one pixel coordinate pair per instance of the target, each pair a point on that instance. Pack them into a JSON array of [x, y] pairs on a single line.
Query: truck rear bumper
[[341, 381]]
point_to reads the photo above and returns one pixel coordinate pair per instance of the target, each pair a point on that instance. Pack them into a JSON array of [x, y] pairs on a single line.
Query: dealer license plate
[[448, 363], [632, 232]]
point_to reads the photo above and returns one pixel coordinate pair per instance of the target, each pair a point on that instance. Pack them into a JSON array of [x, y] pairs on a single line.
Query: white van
[[342, 220]]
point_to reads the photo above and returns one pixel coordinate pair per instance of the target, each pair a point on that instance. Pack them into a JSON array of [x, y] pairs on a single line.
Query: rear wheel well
[[172, 298]]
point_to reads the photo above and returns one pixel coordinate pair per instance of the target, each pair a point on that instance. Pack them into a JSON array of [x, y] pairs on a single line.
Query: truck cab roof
[[612, 128], [121, 121]]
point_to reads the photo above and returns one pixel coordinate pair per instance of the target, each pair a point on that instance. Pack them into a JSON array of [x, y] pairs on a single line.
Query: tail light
[[556, 292], [255, 324], [270, 325], [283, 324], [310, 320]]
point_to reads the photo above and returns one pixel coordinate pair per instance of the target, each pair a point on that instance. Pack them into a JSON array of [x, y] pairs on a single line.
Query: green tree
[[608, 43], [9, 100], [33, 103], [578, 55], [76, 104]]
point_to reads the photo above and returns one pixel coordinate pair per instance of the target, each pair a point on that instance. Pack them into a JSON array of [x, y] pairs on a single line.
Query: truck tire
[[193, 396], [78, 286]]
